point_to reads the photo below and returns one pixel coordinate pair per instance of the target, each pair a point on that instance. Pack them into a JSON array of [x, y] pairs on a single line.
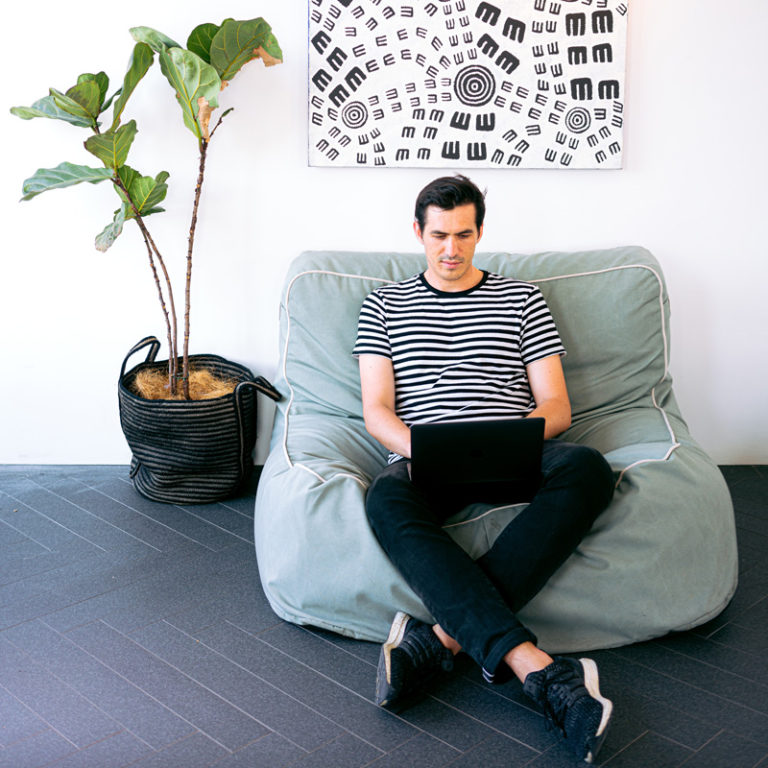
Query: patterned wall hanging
[[447, 83]]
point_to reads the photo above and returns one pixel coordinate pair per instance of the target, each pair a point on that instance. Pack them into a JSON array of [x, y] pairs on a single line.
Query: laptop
[[500, 459]]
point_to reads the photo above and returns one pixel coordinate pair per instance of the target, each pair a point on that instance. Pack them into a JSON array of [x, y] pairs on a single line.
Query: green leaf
[[157, 41], [112, 147], [192, 79], [101, 80], [200, 40], [88, 95], [112, 231], [149, 212], [82, 100], [46, 107], [145, 191], [237, 43], [141, 61], [63, 175], [127, 175], [150, 192]]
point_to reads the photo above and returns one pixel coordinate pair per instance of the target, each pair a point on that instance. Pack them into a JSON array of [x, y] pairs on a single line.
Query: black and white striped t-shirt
[[459, 356]]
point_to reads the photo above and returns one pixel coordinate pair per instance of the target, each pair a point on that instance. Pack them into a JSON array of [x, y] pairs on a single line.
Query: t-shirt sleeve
[[372, 335], [539, 337]]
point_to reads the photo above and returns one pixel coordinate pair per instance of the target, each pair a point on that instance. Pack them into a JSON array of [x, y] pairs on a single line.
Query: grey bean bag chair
[[661, 558]]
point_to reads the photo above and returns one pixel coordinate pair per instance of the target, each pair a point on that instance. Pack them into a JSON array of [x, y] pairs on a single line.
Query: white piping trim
[[675, 444], [673, 438], [664, 458], [288, 290], [485, 514], [324, 480]]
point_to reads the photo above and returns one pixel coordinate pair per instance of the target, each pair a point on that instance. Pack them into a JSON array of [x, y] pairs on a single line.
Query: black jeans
[[475, 601]]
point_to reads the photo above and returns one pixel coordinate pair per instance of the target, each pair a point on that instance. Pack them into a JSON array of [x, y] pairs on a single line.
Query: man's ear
[[417, 231], [480, 232]]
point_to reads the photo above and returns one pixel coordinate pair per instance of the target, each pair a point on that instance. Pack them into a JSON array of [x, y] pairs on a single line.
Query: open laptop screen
[[501, 457]]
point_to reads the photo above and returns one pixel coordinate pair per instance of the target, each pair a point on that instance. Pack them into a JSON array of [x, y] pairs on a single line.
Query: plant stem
[[173, 356], [170, 321], [191, 244]]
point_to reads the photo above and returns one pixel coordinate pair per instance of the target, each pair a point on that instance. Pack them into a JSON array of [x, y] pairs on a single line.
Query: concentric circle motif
[[355, 115], [475, 85], [578, 120]]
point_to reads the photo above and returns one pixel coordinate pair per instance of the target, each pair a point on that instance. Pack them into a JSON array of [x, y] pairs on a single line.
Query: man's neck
[[468, 281]]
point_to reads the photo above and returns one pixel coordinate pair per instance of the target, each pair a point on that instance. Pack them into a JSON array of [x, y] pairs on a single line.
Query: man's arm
[[550, 394], [377, 384]]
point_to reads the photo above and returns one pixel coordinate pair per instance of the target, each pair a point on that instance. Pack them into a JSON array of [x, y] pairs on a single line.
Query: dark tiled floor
[[136, 634]]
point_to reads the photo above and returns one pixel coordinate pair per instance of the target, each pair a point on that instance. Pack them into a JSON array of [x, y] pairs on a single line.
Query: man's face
[[449, 239]]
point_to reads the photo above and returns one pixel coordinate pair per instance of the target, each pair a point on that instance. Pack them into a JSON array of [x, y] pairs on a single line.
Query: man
[[459, 343]]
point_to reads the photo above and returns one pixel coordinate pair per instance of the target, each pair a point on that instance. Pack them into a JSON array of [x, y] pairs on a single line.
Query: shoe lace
[[428, 651], [564, 687]]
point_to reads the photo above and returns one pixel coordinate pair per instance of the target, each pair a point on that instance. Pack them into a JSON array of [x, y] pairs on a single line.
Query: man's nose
[[451, 246]]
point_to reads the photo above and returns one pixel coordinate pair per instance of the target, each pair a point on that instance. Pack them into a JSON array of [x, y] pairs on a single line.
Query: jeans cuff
[[495, 669]]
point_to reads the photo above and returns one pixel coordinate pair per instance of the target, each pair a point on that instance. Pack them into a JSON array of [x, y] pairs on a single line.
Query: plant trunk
[[188, 288]]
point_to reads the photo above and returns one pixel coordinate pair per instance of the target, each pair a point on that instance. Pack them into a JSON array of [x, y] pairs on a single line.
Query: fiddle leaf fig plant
[[214, 54]]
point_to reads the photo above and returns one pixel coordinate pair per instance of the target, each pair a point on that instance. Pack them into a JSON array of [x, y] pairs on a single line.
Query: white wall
[[692, 191]]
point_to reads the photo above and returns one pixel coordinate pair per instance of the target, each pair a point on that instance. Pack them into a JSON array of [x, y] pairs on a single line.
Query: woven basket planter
[[190, 451]]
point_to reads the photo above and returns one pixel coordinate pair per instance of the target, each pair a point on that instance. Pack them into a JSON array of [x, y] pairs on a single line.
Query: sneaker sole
[[395, 637], [592, 684]]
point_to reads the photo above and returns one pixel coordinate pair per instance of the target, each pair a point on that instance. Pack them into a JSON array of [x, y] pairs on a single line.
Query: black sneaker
[[569, 693], [410, 657]]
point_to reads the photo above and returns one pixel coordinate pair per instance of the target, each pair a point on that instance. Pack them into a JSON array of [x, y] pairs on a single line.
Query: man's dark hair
[[449, 192]]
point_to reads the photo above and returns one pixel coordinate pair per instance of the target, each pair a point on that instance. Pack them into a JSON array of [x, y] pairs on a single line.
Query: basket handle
[[147, 341], [261, 385]]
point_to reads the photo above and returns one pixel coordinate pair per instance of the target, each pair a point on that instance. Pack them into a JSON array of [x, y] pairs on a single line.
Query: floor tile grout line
[[171, 745], [137, 580], [690, 685], [181, 508], [214, 525], [25, 535], [60, 525], [90, 514], [48, 670], [725, 647], [628, 746], [157, 701], [270, 684], [325, 744], [205, 687], [36, 714], [378, 758], [330, 643], [280, 690], [138, 512], [186, 508], [698, 660], [696, 752]]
